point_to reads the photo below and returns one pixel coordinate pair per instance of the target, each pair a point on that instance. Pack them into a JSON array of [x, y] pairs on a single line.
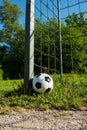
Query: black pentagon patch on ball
[[47, 79], [48, 90], [38, 75], [38, 85]]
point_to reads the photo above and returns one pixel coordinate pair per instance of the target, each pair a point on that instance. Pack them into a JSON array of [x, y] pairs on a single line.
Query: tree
[[12, 34], [75, 43], [46, 40], [9, 14]]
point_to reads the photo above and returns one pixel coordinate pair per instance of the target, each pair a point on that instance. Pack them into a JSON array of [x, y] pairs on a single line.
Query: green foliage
[[12, 33], [68, 93], [9, 14], [12, 63], [74, 43], [46, 36], [1, 73], [75, 20]]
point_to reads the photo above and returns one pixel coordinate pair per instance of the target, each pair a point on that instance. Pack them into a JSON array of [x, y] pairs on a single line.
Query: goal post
[[60, 39], [29, 44]]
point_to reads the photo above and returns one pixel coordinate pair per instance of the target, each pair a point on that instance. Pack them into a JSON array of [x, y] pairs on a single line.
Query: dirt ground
[[44, 120]]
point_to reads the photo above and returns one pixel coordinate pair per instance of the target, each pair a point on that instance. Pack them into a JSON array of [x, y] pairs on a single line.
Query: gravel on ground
[[44, 120]]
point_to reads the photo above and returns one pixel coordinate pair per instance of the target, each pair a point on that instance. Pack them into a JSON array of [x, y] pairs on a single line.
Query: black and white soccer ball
[[42, 83]]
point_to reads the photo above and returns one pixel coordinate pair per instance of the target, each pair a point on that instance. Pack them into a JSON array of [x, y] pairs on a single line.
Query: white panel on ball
[[42, 83]]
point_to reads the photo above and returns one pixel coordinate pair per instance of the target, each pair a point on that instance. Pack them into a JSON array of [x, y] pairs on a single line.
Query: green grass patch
[[7, 86], [68, 93]]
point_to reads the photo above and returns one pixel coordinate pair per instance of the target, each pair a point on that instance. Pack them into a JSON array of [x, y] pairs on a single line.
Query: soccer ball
[[42, 83]]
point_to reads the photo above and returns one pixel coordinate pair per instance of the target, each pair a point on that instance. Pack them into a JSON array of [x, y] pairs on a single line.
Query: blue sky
[[82, 6]]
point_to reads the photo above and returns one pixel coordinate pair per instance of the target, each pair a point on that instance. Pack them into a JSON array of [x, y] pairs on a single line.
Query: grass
[[68, 93], [7, 86]]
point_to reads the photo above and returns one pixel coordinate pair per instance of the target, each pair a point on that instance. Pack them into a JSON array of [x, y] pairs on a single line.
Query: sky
[[73, 7]]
